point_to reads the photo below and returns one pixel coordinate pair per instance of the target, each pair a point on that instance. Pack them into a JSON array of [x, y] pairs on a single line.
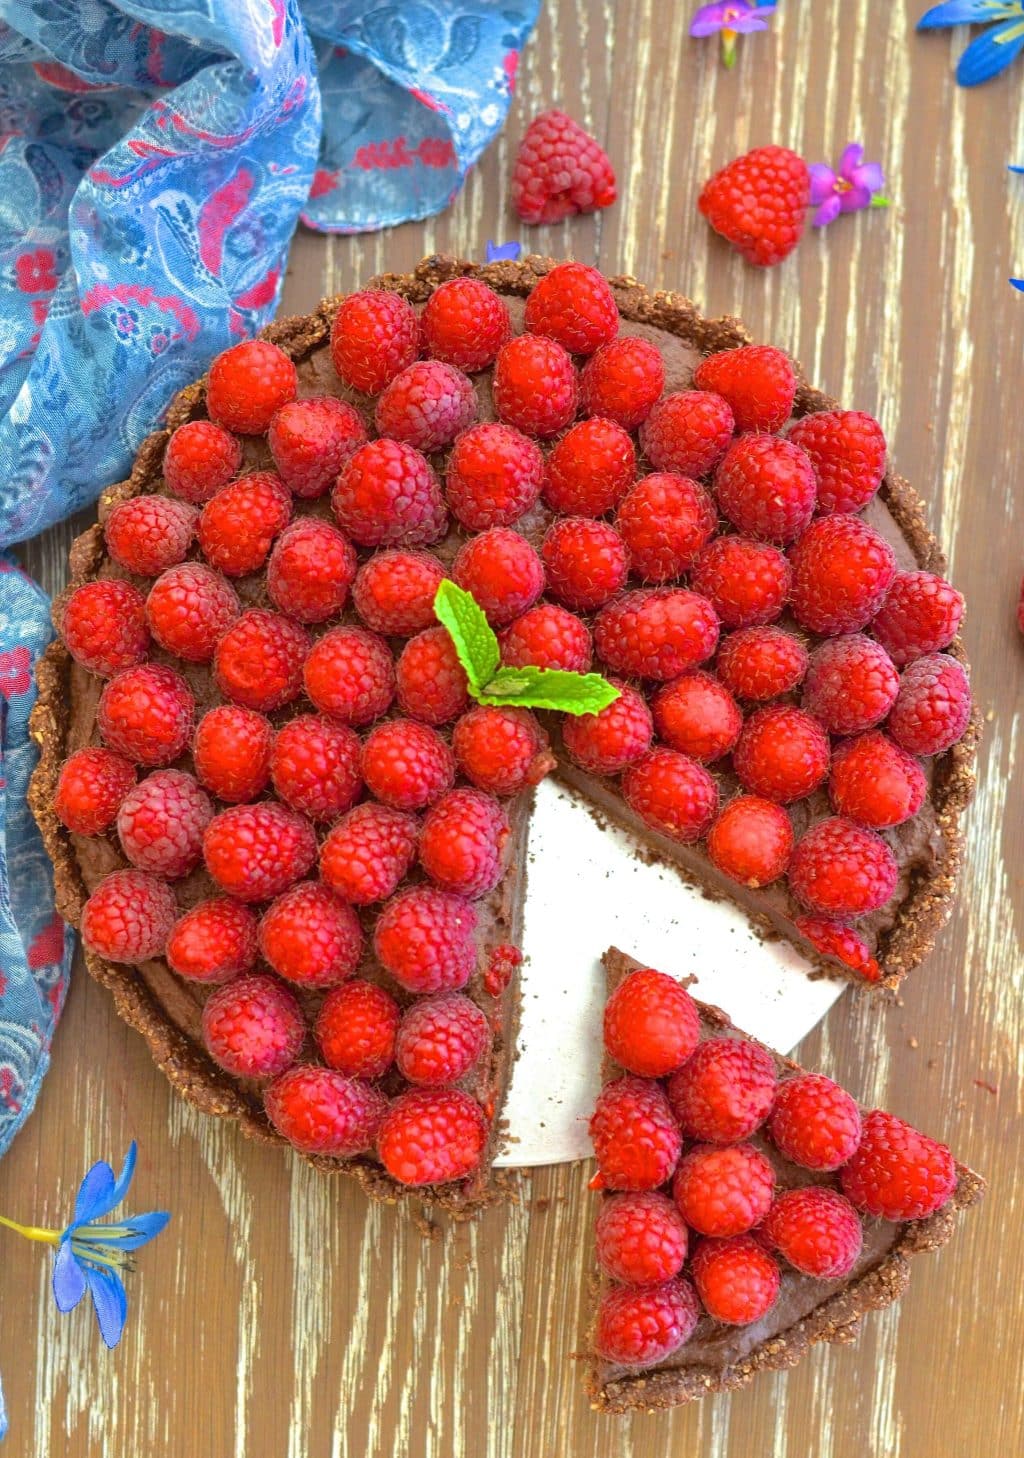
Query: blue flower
[[496, 252], [991, 52]]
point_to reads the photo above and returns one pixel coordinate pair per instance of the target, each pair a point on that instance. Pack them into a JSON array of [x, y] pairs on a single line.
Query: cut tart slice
[[748, 1209]]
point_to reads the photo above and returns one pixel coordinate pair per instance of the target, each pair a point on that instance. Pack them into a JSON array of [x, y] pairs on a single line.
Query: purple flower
[[496, 252], [731, 18], [852, 187]]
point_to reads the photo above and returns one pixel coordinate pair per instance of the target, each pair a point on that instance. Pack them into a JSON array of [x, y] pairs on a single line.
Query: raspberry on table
[[782, 754], [200, 458], [128, 917], [425, 938], [374, 336], [253, 1027], [494, 474], [259, 660], [91, 786], [590, 468], [427, 405], [247, 384], [356, 1028], [465, 323], [723, 1191], [921, 614], [350, 675], [651, 1024], [406, 764], [147, 534], [842, 570], [103, 625], [636, 1139], [640, 1238], [664, 521], [761, 663], [310, 570], [387, 495], [310, 440], [847, 450], [746, 582], [255, 852], [672, 793], [501, 750], [933, 707], [656, 633], [573, 305], [814, 1122], [606, 742], [622, 380], [875, 782], [816, 1230], [560, 170], [724, 1091], [502, 572], [213, 941], [161, 821], [751, 841], [145, 713], [237, 527], [688, 431], [431, 682], [697, 715], [640, 1325], [758, 382], [320, 1111], [440, 1038], [585, 562], [431, 1136], [231, 752], [758, 203], [188, 610], [368, 852], [736, 1279], [841, 944], [851, 684], [463, 841], [896, 1172], [534, 387], [766, 487], [841, 869], [310, 936], [394, 591], [314, 766]]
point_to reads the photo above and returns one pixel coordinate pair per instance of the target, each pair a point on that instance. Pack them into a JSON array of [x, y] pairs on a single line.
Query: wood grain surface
[[284, 1316]]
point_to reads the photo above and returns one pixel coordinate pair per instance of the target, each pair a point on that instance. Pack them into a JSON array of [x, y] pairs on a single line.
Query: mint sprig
[[528, 687]]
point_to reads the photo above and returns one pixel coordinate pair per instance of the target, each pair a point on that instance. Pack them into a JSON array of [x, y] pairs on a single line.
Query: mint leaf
[[470, 631], [549, 688]]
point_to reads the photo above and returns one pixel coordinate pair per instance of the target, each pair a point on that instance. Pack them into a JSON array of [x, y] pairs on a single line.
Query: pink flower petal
[[823, 182], [854, 199], [853, 156], [827, 213], [869, 176]]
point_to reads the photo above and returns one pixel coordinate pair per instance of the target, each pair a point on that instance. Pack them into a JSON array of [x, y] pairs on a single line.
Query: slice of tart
[[748, 1208]]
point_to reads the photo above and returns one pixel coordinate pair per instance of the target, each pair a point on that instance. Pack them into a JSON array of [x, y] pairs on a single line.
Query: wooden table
[[283, 1315]]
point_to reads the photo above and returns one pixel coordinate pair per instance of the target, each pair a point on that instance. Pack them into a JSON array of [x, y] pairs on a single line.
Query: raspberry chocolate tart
[[295, 844]]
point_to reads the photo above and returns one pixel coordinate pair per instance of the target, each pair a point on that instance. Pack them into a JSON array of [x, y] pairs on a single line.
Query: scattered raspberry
[[311, 570], [723, 1191], [502, 571], [128, 917], [766, 487], [368, 852], [462, 842], [440, 1039], [315, 766], [640, 1238], [350, 675], [534, 386], [622, 380], [424, 938], [875, 782], [638, 1326], [842, 570], [590, 469], [465, 323], [394, 592], [432, 683], [619, 735], [548, 636], [310, 440], [851, 684], [258, 662], [214, 941], [189, 608], [356, 1028], [574, 306], [782, 754], [431, 1136], [817, 1230], [697, 715], [746, 582], [237, 527], [161, 821], [387, 495], [322, 1112], [651, 1023], [841, 944], [501, 750], [758, 202], [494, 475], [231, 752], [847, 451], [840, 869], [636, 1139], [688, 432], [815, 1123], [407, 764], [671, 793], [656, 633], [724, 1091], [149, 533], [247, 384], [427, 405], [933, 707], [501, 968], [92, 784], [921, 614], [761, 663], [374, 336], [585, 561], [200, 458], [255, 852], [145, 713], [253, 1027], [665, 520], [310, 936], [560, 170], [104, 626], [758, 382], [896, 1172], [751, 841]]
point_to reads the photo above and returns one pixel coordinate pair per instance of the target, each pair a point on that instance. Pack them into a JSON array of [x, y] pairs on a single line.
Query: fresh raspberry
[[462, 842], [851, 684], [585, 561], [310, 440], [214, 941], [671, 793], [200, 458], [736, 1279], [534, 386], [640, 1238], [746, 582], [640, 1325], [723, 1191], [782, 754], [758, 382], [255, 852], [247, 384], [310, 571], [189, 608], [636, 1139], [432, 683], [494, 474], [574, 306], [322, 1112], [237, 526], [896, 1172], [560, 170], [665, 520], [374, 336], [656, 633], [501, 750], [425, 939], [651, 1023], [350, 675], [502, 571], [840, 869], [427, 405], [440, 1038], [259, 660], [921, 614], [547, 636], [607, 742], [758, 202], [875, 782], [161, 821], [465, 323], [933, 707], [817, 1230], [751, 841], [761, 663], [502, 964], [387, 495], [842, 570], [394, 592], [840, 944], [814, 1122], [724, 1091], [847, 451], [253, 1027], [315, 766], [231, 752], [356, 1028], [406, 764], [368, 852], [766, 487], [697, 715], [310, 936], [149, 533], [431, 1136], [590, 469], [104, 626], [145, 713], [92, 784], [622, 380], [128, 917], [688, 432]]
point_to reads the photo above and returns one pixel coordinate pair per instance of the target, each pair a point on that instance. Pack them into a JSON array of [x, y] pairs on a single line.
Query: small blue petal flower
[[68, 1278], [991, 52], [966, 12], [3, 1414], [109, 1301], [1018, 283], [497, 252]]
